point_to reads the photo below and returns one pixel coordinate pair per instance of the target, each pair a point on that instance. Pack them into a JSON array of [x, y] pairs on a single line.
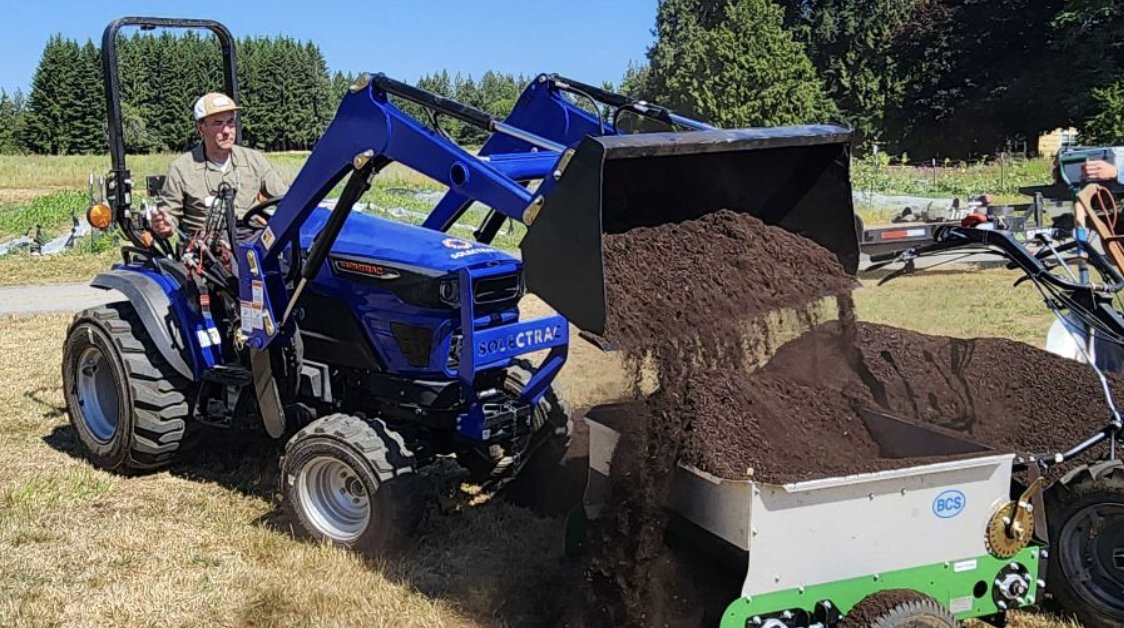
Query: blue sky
[[587, 40]]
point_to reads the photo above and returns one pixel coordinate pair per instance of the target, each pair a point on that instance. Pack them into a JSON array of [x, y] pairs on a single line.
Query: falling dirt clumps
[[679, 297]]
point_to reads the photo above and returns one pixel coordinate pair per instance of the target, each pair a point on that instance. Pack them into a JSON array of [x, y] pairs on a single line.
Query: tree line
[[927, 77], [285, 88]]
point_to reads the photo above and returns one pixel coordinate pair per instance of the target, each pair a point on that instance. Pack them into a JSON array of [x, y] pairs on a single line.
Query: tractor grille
[[498, 289], [414, 342], [455, 344]]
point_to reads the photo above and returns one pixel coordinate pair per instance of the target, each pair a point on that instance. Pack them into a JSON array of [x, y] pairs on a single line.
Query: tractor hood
[[399, 244]]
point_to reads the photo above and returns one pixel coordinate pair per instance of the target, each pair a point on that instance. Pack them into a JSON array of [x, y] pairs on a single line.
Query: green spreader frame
[[954, 584]]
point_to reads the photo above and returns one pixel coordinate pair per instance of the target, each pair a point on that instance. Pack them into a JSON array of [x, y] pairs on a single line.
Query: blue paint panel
[[190, 321]]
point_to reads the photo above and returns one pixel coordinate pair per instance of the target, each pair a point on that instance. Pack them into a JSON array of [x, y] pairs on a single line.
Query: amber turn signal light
[[100, 216]]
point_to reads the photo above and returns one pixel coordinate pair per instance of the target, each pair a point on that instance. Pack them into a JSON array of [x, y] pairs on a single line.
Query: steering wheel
[[258, 211]]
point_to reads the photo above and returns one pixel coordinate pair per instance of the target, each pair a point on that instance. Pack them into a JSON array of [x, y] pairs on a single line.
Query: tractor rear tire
[[1085, 515], [352, 482], [129, 408], [898, 608]]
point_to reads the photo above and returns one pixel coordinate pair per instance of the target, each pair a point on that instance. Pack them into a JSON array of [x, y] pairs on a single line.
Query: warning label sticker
[[960, 604]]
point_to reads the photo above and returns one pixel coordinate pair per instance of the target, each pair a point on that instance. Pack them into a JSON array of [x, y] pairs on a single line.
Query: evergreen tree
[[851, 43], [733, 64], [8, 122], [635, 81], [53, 103], [465, 91], [88, 127], [1106, 126], [339, 85], [977, 73], [1090, 33]]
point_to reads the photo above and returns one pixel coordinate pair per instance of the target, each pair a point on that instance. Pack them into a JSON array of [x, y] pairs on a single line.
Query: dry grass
[[201, 544], [23, 269], [962, 303]]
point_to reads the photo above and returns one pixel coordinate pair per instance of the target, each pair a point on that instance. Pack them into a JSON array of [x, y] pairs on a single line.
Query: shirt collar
[[201, 162]]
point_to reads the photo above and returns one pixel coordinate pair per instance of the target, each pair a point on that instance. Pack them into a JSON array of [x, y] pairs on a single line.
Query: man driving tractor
[[194, 178]]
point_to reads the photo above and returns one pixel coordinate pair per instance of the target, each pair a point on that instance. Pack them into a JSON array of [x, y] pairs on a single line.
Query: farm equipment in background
[[915, 227], [373, 347]]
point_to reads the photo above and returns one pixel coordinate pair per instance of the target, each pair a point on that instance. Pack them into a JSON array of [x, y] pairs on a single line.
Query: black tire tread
[[1075, 486], [159, 394], [887, 609], [393, 463], [382, 447]]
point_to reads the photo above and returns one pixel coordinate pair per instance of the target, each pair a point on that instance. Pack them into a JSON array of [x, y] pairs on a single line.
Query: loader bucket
[[795, 177]]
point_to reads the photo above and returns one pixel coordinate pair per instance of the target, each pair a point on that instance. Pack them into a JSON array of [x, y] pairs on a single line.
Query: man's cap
[[213, 103]]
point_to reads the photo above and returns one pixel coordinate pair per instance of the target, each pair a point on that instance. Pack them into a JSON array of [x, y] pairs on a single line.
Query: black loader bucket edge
[[797, 178]]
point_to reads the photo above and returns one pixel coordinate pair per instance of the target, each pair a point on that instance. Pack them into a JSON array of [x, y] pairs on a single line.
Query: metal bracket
[[269, 398]]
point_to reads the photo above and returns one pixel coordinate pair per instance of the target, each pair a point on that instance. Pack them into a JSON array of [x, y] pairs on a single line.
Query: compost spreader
[[948, 537]]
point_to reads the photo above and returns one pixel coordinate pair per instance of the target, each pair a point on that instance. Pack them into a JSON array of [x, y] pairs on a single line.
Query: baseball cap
[[213, 103]]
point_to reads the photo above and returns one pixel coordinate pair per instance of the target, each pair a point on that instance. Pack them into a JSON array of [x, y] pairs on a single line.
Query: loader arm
[[544, 110], [369, 132]]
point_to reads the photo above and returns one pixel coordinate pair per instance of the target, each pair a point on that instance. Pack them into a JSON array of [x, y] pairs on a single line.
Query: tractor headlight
[[450, 292]]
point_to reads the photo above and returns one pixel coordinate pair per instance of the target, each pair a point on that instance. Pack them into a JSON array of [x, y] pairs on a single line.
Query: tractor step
[[228, 375]]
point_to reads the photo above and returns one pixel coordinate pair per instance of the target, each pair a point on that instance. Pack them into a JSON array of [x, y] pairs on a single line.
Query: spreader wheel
[[1085, 514], [898, 608]]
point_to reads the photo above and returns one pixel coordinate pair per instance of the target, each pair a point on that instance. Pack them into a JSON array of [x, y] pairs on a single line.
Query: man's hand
[[1099, 171], [161, 225]]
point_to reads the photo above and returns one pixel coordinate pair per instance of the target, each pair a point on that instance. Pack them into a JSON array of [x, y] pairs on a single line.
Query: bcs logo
[[949, 504]]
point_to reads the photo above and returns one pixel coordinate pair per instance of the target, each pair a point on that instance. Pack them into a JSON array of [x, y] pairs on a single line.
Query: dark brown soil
[[796, 419], [689, 288]]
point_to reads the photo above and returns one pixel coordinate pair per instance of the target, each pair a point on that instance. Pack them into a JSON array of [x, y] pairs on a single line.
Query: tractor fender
[[155, 309]]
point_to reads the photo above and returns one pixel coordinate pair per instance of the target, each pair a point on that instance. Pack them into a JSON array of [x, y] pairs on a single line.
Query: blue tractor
[[374, 347]]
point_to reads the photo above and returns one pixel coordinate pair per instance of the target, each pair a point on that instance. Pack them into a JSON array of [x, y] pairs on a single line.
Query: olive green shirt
[[193, 184]]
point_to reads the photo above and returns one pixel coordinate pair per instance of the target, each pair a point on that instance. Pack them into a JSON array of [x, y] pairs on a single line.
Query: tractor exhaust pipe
[[797, 178]]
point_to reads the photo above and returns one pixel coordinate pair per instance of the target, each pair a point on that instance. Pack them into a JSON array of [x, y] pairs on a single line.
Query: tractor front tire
[[128, 407], [898, 608], [1085, 515], [552, 420], [351, 482]]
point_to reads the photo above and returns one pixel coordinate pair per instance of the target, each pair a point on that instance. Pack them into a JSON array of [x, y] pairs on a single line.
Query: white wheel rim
[[97, 394], [334, 499]]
